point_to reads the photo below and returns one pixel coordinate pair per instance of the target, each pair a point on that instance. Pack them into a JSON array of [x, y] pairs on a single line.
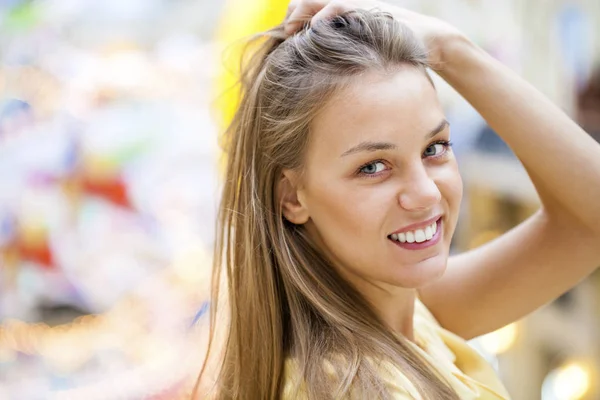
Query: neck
[[396, 307]]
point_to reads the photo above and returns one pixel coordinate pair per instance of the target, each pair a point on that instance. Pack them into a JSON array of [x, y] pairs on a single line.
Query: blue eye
[[372, 168], [436, 149]]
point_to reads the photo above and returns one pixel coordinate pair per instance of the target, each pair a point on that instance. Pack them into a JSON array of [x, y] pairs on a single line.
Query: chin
[[421, 274]]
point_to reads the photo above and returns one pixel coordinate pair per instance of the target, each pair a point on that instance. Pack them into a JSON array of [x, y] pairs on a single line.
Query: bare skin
[[352, 197], [484, 289]]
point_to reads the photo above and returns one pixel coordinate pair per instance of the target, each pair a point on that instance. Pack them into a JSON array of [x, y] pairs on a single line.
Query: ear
[[288, 192]]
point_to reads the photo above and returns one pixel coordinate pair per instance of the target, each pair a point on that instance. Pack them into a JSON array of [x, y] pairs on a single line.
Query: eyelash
[[446, 143]]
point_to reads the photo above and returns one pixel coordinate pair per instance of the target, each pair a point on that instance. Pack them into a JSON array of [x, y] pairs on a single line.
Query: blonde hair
[[285, 301]]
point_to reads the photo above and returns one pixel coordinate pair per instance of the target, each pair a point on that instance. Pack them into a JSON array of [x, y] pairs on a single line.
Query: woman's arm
[[502, 281], [556, 248], [562, 160]]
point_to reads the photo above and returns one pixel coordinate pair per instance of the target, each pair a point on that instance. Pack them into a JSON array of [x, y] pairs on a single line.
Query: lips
[[418, 225], [419, 238], [417, 235]]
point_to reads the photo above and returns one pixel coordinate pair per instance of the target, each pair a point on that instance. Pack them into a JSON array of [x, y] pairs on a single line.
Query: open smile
[[419, 238]]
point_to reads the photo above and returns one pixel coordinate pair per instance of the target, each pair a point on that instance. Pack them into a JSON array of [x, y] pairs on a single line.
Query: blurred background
[[109, 178]]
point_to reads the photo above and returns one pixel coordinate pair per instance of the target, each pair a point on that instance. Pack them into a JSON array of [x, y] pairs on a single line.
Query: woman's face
[[381, 187]]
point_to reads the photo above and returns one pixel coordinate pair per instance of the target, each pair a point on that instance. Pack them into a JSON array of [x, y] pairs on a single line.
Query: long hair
[[293, 324]]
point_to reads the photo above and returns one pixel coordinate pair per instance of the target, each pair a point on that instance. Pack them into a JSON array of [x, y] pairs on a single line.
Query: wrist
[[457, 53]]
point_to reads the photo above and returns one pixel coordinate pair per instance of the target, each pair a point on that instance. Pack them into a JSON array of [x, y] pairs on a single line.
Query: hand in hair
[[436, 34]]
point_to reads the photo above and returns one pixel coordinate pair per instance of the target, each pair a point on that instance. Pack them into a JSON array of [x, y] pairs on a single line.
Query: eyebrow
[[375, 146]]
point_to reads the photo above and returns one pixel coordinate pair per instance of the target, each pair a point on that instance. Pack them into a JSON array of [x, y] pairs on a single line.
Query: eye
[[372, 168], [436, 149]]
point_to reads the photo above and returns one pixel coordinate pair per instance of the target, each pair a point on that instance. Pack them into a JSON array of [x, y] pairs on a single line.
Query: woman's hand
[[438, 36]]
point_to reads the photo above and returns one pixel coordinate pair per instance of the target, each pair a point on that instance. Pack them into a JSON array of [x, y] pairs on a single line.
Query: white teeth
[[428, 232], [418, 235], [402, 237]]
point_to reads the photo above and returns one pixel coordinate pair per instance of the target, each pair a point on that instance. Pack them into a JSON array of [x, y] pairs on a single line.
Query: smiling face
[[378, 171]]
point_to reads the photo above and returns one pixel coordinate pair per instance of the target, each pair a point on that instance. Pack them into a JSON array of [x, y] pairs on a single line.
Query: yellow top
[[458, 363]]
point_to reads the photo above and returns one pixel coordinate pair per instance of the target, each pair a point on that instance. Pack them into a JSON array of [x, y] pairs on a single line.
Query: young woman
[[342, 196]]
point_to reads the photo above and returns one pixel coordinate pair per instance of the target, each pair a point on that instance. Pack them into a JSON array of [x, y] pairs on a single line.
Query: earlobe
[[292, 207]]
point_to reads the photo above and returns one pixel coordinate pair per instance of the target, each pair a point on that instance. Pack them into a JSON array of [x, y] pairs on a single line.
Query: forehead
[[395, 107]]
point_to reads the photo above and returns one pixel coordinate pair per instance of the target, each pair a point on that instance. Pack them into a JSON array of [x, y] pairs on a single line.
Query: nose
[[419, 191]]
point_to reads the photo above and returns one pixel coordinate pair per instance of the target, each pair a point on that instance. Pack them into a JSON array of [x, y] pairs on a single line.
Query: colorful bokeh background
[[110, 114]]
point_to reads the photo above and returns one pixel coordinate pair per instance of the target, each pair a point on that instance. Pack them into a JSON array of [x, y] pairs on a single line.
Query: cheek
[[449, 182], [348, 220], [343, 210], [455, 190]]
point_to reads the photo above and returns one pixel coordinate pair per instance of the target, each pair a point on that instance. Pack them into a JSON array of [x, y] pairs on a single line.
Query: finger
[[296, 20], [330, 11], [302, 12], [291, 7]]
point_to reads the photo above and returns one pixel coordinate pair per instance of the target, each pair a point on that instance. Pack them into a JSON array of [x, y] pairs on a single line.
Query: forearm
[[562, 160]]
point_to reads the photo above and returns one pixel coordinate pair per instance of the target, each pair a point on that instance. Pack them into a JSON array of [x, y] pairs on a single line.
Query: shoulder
[[423, 313]]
